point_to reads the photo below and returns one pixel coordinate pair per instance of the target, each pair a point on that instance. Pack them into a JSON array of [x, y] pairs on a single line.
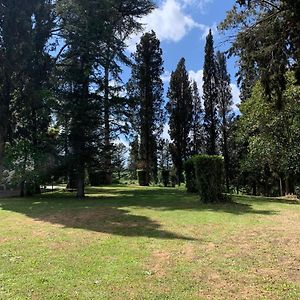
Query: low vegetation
[[148, 243]]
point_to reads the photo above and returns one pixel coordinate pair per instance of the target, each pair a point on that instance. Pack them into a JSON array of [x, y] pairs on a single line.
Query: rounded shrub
[[190, 176], [209, 170], [142, 178]]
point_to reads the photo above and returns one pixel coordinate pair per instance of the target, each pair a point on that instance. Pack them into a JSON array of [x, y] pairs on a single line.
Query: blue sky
[[182, 26]]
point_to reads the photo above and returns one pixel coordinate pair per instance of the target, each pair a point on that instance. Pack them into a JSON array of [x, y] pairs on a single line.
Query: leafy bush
[[142, 178], [209, 171], [190, 176], [165, 177]]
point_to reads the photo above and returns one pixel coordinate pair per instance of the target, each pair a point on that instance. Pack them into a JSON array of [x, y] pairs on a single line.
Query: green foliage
[[272, 136], [210, 96], [165, 177], [209, 171], [146, 87], [197, 132], [142, 178], [180, 109], [266, 42], [190, 176], [225, 113]]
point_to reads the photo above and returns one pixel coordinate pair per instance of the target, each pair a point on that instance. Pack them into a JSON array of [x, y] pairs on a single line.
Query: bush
[[142, 178], [209, 170], [190, 176], [165, 177]]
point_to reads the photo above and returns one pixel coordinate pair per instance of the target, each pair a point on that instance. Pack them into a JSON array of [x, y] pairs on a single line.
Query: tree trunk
[[22, 189], [4, 120], [108, 158], [254, 189], [2, 149], [80, 185], [280, 187]]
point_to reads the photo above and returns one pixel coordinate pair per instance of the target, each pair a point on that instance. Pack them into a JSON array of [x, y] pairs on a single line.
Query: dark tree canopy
[[210, 96], [266, 42], [147, 88], [180, 107]]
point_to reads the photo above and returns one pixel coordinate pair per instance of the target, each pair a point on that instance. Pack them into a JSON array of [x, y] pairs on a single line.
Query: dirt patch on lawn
[[159, 263]]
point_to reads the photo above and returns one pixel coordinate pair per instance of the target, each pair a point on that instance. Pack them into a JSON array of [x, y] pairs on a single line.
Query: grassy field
[[148, 243]]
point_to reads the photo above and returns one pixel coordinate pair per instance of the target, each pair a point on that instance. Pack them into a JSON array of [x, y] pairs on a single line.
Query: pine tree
[[121, 24], [210, 96], [224, 108], [25, 71], [148, 89], [197, 123], [90, 36], [180, 107]]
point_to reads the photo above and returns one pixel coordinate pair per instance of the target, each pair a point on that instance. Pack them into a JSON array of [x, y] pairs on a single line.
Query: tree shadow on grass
[[90, 215], [172, 199], [107, 210], [263, 200]]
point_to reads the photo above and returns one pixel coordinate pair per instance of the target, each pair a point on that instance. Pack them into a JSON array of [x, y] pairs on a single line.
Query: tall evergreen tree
[[266, 42], [146, 78], [25, 71], [89, 32], [180, 107], [210, 96], [121, 24], [197, 123], [224, 108]]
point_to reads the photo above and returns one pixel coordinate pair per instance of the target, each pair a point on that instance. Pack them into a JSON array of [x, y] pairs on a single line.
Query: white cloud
[[166, 77], [198, 3], [169, 22], [198, 77]]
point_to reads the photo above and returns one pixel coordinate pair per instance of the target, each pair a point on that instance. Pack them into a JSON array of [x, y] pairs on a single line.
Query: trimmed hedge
[[142, 178], [190, 177], [165, 177], [209, 170]]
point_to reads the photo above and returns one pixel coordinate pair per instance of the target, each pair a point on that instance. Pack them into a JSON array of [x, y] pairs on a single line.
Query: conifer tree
[[197, 123], [148, 89], [24, 79], [89, 32], [224, 108], [210, 96], [180, 107]]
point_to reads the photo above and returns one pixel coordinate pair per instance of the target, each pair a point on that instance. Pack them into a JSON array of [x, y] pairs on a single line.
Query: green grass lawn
[[148, 243]]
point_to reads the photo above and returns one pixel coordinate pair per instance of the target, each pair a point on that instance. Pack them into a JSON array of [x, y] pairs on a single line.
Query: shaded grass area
[[127, 242]]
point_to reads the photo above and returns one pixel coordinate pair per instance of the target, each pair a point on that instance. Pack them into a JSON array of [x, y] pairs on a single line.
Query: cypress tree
[[210, 97], [180, 111], [148, 89], [197, 128], [224, 108]]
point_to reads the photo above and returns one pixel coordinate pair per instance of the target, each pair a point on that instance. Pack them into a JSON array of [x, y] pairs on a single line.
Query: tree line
[[63, 102]]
